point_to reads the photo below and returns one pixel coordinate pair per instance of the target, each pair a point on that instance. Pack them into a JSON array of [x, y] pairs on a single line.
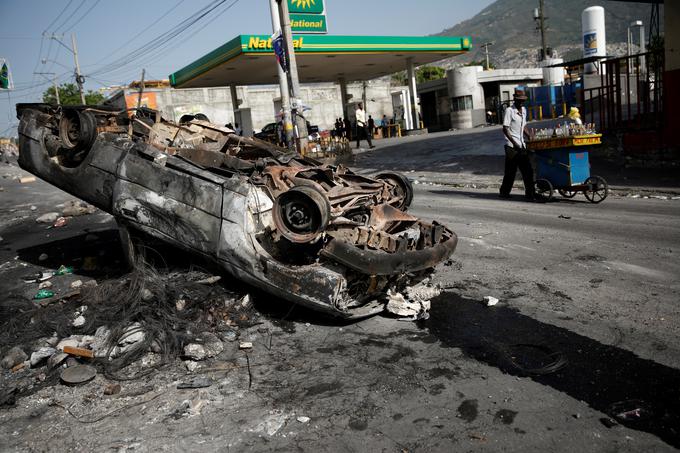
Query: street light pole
[[294, 80], [486, 52]]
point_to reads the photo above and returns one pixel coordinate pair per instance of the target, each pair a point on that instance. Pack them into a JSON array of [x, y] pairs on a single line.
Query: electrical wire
[[83, 16], [56, 29], [162, 39], [57, 18]]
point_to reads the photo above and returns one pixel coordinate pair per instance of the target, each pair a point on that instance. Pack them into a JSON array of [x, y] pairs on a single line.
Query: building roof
[[250, 60]]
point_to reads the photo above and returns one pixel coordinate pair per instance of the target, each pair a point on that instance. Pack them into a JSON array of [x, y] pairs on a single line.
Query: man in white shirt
[[362, 131], [516, 155]]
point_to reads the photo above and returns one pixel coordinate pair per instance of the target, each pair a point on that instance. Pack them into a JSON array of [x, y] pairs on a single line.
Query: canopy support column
[[413, 94], [234, 102], [343, 96]]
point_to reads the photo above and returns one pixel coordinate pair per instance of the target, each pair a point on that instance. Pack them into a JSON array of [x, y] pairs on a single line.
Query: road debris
[[74, 208], [41, 355], [112, 389], [196, 383], [60, 222], [210, 280], [490, 301], [14, 356], [245, 345], [79, 352], [303, 419], [43, 294], [562, 216], [27, 179], [78, 374], [49, 217]]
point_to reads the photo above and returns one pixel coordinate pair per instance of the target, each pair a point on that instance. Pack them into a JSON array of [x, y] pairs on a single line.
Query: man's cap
[[520, 94]]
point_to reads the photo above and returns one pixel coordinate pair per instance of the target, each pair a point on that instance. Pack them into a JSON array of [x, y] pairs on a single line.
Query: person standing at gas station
[[516, 154], [362, 131]]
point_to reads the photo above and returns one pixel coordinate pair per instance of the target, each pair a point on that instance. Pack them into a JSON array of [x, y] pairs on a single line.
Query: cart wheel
[[543, 190], [597, 189], [566, 193]]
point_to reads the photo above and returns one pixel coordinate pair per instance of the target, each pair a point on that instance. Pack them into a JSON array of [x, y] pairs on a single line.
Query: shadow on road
[[609, 379]]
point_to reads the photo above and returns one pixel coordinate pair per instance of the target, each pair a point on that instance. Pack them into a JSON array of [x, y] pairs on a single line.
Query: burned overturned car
[[319, 235]]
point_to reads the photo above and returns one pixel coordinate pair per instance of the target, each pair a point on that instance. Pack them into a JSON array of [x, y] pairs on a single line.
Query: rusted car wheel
[[77, 133], [403, 190], [301, 213]]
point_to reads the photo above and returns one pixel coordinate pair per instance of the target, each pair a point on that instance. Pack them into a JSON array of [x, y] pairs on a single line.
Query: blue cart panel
[[562, 167]]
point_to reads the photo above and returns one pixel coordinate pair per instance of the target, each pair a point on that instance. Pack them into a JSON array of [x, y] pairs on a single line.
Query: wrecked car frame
[[319, 235]]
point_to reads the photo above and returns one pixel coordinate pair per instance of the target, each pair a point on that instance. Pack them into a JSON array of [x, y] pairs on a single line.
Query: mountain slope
[[510, 26]]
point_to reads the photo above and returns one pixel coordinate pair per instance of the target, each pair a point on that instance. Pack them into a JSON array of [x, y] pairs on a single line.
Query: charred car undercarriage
[[319, 235]]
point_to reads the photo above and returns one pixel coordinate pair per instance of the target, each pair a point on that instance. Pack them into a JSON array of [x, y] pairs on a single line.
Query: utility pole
[[54, 82], [294, 81], [283, 81], [486, 52], [80, 80], [141, 90], [539, 16]]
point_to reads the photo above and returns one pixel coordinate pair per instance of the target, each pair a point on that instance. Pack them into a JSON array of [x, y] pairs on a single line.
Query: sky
[[108, 31]]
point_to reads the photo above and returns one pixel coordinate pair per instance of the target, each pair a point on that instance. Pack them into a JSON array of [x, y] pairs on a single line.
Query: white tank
[[594, 37], [553, 76]]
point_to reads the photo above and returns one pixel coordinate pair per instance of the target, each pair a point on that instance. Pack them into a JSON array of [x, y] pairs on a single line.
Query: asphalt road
[[592, 289]]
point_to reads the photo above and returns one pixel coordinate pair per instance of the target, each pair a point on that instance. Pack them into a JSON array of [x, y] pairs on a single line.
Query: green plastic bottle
[[43, 294]]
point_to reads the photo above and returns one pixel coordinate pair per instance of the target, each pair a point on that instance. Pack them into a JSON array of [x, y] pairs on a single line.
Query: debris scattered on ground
[[490, 301], [609, 422], [562, 216], [112, 389], [210, 347], [60, 222], [196, 383], [43, 257], [43, 294], [210, 280], [79, 352], [245, 345], [416, 303], [76, 284], [49, 217], [45, 285], [63, 270], [189, 408], [78, 374], [303, 419], [14, 356], [41, 355], [74, 208], [26, 179]]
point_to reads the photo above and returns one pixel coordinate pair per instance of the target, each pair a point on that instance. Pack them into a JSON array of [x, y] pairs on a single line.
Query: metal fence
[[630, 95]]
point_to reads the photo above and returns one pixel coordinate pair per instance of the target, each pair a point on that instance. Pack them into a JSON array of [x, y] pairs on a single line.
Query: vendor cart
[[562, 164]]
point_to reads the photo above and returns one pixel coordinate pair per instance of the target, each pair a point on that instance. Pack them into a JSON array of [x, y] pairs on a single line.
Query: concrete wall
[[324, 99]]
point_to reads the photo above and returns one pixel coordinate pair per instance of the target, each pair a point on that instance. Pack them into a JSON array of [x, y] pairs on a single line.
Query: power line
[[163, 38], [144, 30], [83, 16], [57, 18], [57, 28]]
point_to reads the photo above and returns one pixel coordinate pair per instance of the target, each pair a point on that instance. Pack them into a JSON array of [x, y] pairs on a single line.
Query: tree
[[69, 95], [423, 74]]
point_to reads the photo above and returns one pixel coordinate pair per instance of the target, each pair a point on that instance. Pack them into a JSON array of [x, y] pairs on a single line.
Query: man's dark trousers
[[362, 133], [514, 159]]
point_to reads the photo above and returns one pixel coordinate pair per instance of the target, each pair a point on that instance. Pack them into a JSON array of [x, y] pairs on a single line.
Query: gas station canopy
[[250, 60]]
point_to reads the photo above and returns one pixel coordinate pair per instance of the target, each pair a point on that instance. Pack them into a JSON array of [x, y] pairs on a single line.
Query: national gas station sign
[[307, 16]]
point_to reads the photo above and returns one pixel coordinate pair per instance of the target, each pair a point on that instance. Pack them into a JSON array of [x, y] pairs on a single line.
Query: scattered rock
[[180, 304], [210, 346], [41, 355], [45, 285], [147, 295], [49, 217], [490, 301], [111, 389], [43, 257], [303, 419], [34, 208], [75, 208], [229, 335], [14, 356], [191, 365], [245, 345], [79, 321], [77, 284], [56, 360]]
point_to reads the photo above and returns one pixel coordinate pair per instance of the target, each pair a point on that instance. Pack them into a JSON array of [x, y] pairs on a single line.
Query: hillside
[[510, 26]]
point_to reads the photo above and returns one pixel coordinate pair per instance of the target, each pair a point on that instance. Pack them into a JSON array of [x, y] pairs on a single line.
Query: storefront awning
[[250, 60]]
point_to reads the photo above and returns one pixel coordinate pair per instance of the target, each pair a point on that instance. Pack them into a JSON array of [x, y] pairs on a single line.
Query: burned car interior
[[312, 233]]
